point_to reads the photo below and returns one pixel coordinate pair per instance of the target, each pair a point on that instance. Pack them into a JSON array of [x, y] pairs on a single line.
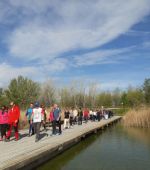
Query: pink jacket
[[3, 117]]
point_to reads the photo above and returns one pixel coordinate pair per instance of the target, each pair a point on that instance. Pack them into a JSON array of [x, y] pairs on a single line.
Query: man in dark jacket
[[57, 120]]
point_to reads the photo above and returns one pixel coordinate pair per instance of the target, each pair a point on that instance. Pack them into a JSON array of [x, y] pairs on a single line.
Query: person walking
[[3, 122], [36, 119], [71, 118], [56, 120], [28, 116], [75, 115], [80, 115], [44, 117], [86, 115], [66, 119], [98, 115], [51, 115], [13, 121]]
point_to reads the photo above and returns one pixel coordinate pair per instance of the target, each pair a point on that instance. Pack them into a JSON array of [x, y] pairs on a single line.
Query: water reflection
[[140, 134], [60, 161], [116, 148]]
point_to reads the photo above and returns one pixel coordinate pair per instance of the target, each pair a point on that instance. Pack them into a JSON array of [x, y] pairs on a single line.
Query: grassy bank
[[137, 118]]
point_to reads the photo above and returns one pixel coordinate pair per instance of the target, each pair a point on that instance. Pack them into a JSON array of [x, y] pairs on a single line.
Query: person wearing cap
[[13, 120], [36, 119]]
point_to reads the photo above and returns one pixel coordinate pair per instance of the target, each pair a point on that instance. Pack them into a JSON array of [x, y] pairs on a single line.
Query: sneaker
[[7, 140], [16, 139], [36, 140], [52, 135]]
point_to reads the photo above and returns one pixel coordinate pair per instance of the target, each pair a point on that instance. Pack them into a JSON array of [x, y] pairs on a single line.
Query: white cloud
[[146, 44], [37, 72], [138, 33], [101, 57], [112, 85], [102, 83], [57, 26], [56, 65], [9, 72], [45, 29]]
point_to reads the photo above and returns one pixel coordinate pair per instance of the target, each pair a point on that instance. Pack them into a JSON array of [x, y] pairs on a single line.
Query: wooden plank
[[27, 154]]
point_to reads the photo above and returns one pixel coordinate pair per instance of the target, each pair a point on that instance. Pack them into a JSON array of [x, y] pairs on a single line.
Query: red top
[[51, 116], [86, 112], [14, 114], [43, 111], [3, 117]]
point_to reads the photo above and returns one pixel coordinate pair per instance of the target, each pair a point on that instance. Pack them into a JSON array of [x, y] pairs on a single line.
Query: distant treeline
[[23, 91]]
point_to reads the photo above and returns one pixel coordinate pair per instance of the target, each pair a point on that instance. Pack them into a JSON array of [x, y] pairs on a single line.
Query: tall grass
[[137, 118]]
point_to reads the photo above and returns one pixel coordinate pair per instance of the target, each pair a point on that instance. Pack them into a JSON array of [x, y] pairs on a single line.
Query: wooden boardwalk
[[26, 154]]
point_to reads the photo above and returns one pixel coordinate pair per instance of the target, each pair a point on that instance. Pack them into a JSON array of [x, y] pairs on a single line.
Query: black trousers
[[86, 119], [31, 127], [71, 121], [56, 123], [37, 126], [80, 120], [3, 128], [98, 117]]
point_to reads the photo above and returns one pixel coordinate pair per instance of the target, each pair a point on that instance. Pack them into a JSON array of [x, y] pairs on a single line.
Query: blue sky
[[106, 42]]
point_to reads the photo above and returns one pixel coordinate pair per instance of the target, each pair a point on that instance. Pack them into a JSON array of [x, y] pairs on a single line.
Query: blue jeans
[[31, 128]]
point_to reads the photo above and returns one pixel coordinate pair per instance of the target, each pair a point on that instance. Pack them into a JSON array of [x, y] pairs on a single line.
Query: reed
[[137, 118]]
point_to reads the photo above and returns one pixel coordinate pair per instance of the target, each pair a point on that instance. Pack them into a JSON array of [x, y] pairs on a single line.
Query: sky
[[102, 41]]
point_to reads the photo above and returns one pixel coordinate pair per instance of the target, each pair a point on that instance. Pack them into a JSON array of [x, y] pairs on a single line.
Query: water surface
[[116, 148]]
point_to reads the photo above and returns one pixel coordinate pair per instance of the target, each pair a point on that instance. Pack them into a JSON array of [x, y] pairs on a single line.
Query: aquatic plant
[[137, 118]]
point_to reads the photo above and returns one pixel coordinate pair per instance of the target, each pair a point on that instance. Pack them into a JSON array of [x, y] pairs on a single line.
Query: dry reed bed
[[137, 118]]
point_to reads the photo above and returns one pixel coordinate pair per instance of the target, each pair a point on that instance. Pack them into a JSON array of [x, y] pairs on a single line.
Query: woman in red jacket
[[13, 120]]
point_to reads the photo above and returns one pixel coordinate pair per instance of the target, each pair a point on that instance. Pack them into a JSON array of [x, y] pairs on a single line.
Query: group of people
[[9, 118], [36, 115], [77, 116]]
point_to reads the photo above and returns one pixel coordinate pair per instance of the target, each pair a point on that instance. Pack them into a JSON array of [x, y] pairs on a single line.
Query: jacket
[[14, 114], [3, 117]]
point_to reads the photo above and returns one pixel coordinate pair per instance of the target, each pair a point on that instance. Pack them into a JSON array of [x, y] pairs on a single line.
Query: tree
[[48, 93], [92, 95], [3, 99], [146, 89], [116, 97], [22, 91], [65, 97], [124, 99], [104, 99], [135, 97]]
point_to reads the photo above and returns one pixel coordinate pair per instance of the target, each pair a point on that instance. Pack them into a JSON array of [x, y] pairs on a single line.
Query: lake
[[116, 148]]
